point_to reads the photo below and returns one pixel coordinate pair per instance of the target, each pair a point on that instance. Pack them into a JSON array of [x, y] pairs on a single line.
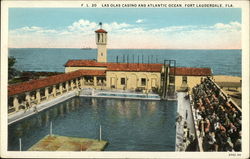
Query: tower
[[101, 42]]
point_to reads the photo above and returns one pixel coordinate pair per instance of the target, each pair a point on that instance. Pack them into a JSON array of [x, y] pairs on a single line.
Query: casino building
[[136, 76], [164, 79]]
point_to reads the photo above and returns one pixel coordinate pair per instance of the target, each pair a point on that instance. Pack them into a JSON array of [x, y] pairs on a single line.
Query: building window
[[122, 81], [143, 81], [184, 79]]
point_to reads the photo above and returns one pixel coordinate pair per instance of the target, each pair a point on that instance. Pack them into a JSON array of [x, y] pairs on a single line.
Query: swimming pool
[[128, 125]]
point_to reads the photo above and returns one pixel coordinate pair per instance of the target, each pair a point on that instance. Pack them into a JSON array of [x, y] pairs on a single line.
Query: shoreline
[[120, 48]]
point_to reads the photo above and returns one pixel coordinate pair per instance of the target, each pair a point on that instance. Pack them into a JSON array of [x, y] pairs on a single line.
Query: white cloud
[[229, 27], [36, 29], [87, 26], [173, 29], [82, 25], [114, 26], [218, 36], [32, 30], [124, 35], [140, 20]]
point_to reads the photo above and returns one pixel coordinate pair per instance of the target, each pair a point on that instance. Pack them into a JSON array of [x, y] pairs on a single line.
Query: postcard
[[125, 79]]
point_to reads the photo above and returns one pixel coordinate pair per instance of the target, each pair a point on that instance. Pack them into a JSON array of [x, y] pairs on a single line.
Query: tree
[[12, 72]]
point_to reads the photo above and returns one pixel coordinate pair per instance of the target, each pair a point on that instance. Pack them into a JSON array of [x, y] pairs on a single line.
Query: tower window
[[101, 38], [101, 54], [98, 37], [122, 81], [143, 81]]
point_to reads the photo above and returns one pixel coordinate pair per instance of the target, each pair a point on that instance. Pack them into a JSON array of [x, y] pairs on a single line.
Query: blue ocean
[[222, 62]]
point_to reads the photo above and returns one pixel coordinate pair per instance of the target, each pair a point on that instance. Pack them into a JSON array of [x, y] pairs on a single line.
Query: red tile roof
[[91, 72], [101, 31], [116, 66], [190, 71], [49, 81]]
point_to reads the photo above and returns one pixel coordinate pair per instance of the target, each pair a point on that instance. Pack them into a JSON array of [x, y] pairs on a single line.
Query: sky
[[128, 28]]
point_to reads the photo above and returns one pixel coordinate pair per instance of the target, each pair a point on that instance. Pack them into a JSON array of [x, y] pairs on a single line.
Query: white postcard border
[[244, 5]]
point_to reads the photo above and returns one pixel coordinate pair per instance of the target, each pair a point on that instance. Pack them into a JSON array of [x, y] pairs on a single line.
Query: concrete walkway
[[184, 110], [35, 109]]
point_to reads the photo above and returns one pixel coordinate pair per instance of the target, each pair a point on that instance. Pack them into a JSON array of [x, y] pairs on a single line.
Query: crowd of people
[[219, 121]]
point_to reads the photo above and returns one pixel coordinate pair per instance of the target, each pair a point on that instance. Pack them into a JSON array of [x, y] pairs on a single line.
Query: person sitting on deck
[[220, 121]]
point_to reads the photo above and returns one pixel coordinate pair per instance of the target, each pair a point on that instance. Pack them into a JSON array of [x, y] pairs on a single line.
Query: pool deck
[[64, 143], [133, 95], [25, 113], [184, 110]]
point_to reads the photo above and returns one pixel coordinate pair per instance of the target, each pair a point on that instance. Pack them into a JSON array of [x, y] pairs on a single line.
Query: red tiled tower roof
[[101, 31]]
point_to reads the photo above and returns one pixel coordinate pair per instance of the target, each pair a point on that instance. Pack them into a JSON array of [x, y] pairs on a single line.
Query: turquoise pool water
[[128, 125]]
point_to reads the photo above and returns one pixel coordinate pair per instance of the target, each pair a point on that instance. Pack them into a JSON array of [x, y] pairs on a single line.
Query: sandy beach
[[224, 78], [231, 85]]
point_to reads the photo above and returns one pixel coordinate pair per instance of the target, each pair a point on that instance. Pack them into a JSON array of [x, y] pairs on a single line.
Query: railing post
[[100, 132], [51, 128], [38, 96], [16, 103], [95, 81], [20, 144]]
